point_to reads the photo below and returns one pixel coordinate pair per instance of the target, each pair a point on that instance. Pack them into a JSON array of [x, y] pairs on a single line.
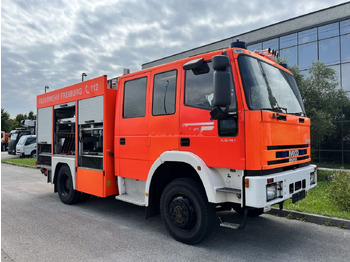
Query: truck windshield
[[14, 136], [22, 140], [269, 88]]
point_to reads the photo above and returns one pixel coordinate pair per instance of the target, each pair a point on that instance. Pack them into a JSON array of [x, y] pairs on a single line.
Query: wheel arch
[[57, 163], [172, 165]]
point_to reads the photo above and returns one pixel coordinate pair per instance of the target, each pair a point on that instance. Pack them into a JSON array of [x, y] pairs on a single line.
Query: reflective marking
[[198, 124], [206, 128]]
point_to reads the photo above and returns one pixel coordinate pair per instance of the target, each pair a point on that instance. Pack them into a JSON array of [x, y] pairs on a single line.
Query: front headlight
[[271, 191], [312, 178]]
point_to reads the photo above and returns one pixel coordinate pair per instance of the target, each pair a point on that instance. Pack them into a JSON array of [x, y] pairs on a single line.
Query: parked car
[[15, 136], [26, 146]]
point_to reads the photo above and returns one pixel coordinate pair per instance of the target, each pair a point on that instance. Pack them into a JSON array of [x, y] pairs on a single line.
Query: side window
[[164, 93], [135, 98], [199, 89], [31, 140]]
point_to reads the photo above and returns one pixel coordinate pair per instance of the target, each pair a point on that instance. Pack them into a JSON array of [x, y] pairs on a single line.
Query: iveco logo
[[293, 153]]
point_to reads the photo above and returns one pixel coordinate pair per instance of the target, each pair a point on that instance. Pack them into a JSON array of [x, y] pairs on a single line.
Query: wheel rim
[[182, 213]]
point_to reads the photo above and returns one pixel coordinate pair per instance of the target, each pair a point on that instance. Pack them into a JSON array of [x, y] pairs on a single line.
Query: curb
[[313, 218], [21, 165]]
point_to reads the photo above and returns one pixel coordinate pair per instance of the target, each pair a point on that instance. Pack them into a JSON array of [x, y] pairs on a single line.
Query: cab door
[[219, 143], [132, 139], [164, 113]]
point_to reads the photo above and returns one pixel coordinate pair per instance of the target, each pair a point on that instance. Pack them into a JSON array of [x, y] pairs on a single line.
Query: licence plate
[[298, 196]]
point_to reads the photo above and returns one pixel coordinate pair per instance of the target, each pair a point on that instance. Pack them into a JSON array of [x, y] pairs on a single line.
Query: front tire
[[186, 212], [33, 154], [65, 188]]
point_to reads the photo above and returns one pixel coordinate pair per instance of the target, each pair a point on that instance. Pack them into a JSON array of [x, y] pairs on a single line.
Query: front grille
[[288, 154], [287, 147], [275, 162]]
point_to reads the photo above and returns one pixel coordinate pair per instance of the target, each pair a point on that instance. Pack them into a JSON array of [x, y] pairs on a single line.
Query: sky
[[51, 43]]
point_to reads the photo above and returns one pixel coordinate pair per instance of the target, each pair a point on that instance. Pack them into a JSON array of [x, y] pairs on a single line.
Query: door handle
[[185, 142], [122, 141]]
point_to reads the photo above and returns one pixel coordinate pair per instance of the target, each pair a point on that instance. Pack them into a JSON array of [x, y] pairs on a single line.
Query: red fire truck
[[225, 129]]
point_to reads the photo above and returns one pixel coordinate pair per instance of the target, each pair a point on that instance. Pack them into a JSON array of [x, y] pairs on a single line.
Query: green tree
[[5, 121], [31, 115], [21, 117], [8, 124], [324, 101]]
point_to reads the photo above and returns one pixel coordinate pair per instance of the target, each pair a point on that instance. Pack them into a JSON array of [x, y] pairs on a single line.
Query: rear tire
[[186, 212], [65, 188]]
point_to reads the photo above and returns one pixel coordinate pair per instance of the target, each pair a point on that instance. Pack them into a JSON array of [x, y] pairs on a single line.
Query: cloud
[[54, 42]]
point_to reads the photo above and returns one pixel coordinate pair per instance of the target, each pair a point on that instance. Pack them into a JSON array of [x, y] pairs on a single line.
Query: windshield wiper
[[298, 114], [276, 109], [273, 101]]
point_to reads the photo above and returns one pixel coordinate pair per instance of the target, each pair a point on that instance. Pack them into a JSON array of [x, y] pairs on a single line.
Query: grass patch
[[20, 161], [318, 200], [332, 165]]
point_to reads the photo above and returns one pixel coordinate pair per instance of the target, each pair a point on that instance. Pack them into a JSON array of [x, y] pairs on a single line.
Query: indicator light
[[270, 180]]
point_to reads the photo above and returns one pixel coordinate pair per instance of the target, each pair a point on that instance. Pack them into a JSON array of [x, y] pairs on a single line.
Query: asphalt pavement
[[36, 226], [6, 155]]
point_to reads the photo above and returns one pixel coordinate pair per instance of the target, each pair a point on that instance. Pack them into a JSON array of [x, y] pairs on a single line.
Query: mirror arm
[[217, 113]]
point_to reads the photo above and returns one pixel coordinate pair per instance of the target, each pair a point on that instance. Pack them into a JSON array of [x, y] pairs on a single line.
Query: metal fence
[[335, 149]]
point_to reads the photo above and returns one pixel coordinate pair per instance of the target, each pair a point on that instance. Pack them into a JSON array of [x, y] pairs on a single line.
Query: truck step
[[230, 225], [229, 190], [235, 225], [139, 201]]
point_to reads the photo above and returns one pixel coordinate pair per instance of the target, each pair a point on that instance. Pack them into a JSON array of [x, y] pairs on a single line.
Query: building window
[[288, 41], [307, 54], [345, 27], [345, 48], [328, 31], [135, 98], [345, 69], [273, 44], [254, 47], [307, 36], [329, 51], [164, 93], [290, 54], [336, 68]]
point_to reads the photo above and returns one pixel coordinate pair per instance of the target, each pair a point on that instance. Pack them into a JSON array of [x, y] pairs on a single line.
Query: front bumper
[[289, 184], [19, 152]]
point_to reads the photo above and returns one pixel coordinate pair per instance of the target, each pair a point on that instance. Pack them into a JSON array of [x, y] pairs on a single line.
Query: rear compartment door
[[44, 131]]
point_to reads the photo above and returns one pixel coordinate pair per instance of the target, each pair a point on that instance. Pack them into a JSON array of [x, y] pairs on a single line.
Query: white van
[[26, 146]]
